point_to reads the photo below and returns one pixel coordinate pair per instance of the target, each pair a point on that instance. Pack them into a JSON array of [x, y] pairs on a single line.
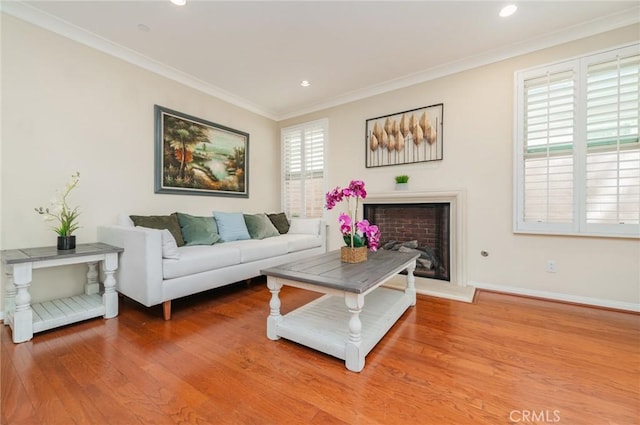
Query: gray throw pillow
[[169, 222], [198, 230], [259, 226], [280, 222]]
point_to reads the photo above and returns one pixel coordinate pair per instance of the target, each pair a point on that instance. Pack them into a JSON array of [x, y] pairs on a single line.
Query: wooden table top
[[329, 271], [32, 255]]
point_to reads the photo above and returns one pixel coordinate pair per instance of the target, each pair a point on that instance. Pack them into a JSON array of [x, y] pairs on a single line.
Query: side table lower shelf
[[63, 311]]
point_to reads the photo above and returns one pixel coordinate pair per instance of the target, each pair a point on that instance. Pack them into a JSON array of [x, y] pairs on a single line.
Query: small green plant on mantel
[[402, 179]]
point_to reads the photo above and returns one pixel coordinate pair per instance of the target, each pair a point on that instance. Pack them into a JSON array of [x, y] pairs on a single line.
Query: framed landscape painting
[[404, 137], [198, 157]]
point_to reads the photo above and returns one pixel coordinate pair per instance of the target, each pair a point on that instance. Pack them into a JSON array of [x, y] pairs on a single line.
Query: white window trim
[[579, 226], [323, 122]]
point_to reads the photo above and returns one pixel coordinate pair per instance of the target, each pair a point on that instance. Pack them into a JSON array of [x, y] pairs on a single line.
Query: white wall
[[478, 152], [67, 107]]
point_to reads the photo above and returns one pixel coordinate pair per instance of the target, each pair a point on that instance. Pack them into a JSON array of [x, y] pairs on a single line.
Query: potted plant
[[65, 216], [357, 235], [402, 182]]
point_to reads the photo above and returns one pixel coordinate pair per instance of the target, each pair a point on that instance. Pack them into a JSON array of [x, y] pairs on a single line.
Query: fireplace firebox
[[424, 227]]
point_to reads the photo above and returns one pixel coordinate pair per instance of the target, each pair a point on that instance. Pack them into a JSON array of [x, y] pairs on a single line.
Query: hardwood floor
[[501, 360]]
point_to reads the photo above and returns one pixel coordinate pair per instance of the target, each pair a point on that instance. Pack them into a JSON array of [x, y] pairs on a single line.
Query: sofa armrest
[[139, 275]]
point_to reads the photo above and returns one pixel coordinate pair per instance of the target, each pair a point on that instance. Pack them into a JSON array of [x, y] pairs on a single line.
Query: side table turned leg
[[92, 286], [22, 325], [110, 297], [354, 355], [10, 296], [274, 308]]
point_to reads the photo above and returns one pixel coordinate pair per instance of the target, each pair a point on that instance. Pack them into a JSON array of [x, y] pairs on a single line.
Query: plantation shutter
[[292, 172], [549, 122], [577, 153], [613, 152], [303, 169]]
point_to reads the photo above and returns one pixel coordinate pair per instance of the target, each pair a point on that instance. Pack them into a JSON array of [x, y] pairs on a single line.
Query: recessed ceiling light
[[179, 2], [508, 10], [305, 83]]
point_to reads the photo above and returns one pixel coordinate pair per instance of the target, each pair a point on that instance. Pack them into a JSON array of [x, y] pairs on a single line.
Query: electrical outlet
[[551, 266]]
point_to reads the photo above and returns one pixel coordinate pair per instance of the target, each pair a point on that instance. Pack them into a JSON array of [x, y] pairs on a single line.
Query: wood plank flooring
[[501, 360]]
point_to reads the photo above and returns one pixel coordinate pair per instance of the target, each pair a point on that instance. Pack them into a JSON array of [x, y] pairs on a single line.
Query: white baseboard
[[576, 299]]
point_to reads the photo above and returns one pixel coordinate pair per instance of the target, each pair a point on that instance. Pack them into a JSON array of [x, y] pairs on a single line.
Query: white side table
[[25, 319]]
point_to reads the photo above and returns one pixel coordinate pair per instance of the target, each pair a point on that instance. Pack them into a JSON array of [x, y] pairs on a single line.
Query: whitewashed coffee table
[[354, 314]]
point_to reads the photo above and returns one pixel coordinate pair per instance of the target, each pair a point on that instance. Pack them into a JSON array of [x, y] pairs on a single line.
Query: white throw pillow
[[169, 246], [124, 220], [304, 226]]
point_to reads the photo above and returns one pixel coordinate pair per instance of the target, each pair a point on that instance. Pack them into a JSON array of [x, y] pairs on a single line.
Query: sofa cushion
[[200, 258], [259, 226], [169, 222], [304, 226], [198, 230], [301, 242], [280, 222], [231, 226], [253, 250]]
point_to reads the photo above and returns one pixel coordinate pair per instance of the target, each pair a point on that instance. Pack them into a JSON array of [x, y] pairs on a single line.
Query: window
[[577, 155], [303, 169]]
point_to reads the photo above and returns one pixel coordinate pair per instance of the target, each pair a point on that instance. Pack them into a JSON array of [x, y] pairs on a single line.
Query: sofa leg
[[166, 310]]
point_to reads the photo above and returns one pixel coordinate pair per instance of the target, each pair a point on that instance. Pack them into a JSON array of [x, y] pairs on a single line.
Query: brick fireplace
[[422, 227], [441, 217]]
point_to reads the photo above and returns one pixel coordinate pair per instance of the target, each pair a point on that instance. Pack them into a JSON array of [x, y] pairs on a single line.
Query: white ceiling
[[254, 54]]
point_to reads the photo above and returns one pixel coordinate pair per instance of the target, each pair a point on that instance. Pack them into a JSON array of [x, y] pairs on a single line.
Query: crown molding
[[66, 29], [587, 29]]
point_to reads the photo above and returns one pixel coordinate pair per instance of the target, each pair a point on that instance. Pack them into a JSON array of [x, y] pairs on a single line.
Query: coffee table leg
[[411, 283], [354, 358], [274, 306]]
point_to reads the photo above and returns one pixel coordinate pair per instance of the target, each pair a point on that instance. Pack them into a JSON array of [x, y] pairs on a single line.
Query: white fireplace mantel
[[456, 198]]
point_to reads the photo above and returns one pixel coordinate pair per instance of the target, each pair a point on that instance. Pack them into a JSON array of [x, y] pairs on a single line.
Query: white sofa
[[146, 277]]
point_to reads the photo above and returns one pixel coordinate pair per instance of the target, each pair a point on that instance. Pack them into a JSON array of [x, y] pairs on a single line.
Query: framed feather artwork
[[405, 137]]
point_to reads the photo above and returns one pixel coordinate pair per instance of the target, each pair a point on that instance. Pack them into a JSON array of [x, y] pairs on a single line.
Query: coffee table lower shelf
[[323, 324]]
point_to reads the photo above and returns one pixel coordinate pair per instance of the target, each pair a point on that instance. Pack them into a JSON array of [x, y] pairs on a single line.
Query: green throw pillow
[[259, 226], [169, 222], [198, 230], [280, 221]]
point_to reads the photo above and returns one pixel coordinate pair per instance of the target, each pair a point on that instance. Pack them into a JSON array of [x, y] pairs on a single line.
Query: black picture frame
[[194, 156], [405, 137]]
